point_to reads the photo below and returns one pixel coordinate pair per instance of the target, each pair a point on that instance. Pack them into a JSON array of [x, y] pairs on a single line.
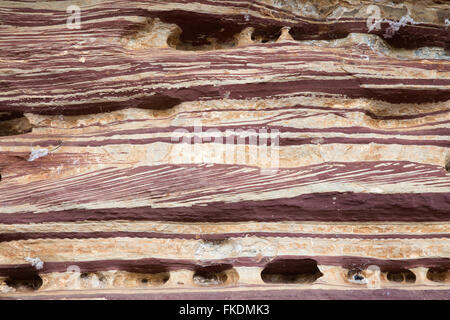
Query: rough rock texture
[[216, 149]]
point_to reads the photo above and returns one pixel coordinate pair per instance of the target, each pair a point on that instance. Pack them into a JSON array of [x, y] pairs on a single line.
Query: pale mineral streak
[[35, 262], [214, 149]]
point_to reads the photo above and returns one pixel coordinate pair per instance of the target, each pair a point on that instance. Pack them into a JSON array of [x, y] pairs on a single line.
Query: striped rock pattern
[[224, 149]]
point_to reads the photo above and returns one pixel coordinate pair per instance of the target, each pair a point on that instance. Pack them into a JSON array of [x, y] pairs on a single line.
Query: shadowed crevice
[[439, 274], [291, 271], [401, 276], [25, 283], [215, 275], [14, 123]]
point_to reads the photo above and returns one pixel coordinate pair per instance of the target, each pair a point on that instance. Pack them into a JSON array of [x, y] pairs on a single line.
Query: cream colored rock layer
[[362, 228], [59, 250]]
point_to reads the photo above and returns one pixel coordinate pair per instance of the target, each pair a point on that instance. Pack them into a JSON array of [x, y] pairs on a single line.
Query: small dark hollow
[[291, 271], [198, 29], [14, 124], [401, 276], [31, 283], [155, 279], [410, 277], [395, 276], [355, 275], [212, 275], [87, 275], [149, 274], [216, 242], [101, 278], [158, 279], [266, 34], [437, 274], [358, 277], [318, 32]]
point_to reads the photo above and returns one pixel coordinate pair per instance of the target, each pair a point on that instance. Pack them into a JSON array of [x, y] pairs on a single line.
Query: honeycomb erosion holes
[[122, 279], [281, 271], [196, 31], [402, 276], [356, 276], [439, 275], [290, 271], [215, 275], [24, 284]]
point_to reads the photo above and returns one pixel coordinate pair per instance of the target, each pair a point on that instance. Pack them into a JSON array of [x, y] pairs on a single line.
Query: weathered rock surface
[[178, 149]]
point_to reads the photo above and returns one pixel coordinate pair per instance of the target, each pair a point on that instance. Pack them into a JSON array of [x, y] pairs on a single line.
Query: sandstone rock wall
[[216, 149]]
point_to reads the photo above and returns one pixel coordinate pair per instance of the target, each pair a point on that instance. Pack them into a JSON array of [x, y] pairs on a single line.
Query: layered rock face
[[216, 149]]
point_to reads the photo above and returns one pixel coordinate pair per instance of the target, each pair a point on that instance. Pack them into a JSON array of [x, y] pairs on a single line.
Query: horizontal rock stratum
[[260, 149]]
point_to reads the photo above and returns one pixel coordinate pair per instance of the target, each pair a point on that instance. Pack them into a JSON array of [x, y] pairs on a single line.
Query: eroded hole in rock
[[438, 275], [291, 271], [141, 276], [318, 32], [216, 275], [92, 280], [401, 276], [197, 32], [402, 39], [202, 32], [356, 276], [203, 42], [13, 123], [156, 279], [24, 284], [266, 35], [190, 31], [216, 242], [122, 279], [182, 31]]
